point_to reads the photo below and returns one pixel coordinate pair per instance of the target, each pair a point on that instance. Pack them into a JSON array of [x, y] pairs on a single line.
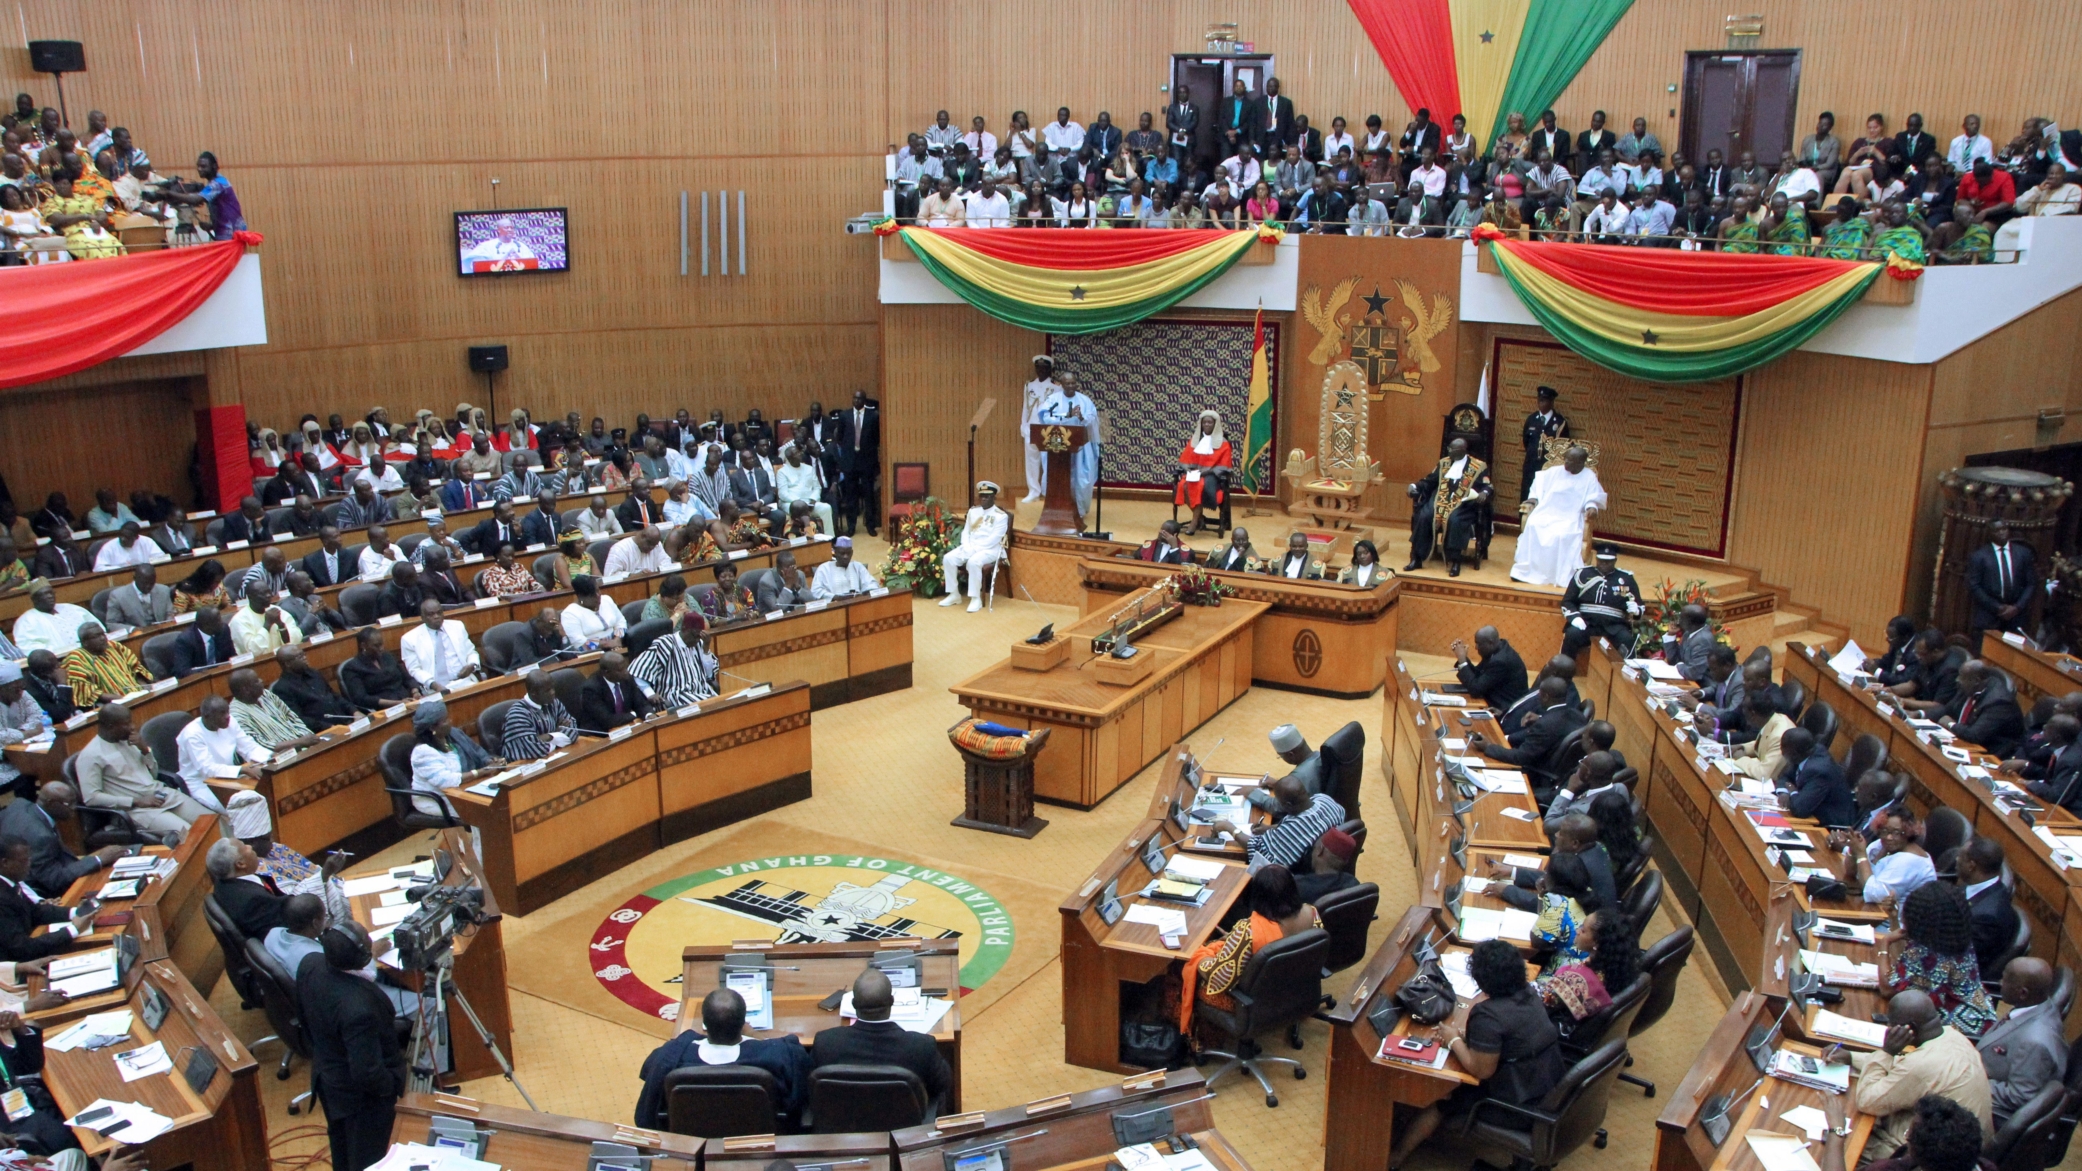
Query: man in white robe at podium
[[1037, 392], [1067, 404], [981, 546], [1550, 539]]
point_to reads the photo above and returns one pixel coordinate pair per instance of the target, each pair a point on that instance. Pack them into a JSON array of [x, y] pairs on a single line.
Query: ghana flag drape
[[1072, 280], [1669, 316], [1485, 58]]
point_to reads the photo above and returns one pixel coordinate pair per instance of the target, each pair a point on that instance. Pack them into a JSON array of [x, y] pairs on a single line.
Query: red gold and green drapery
[[1074, 281], [1669, 316], [1486, 58]]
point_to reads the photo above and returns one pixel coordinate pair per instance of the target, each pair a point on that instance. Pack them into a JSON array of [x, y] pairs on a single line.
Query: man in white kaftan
[[1561, 502]]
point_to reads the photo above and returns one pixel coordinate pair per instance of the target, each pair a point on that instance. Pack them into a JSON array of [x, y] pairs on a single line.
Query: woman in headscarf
[[573, 559], [1207, 451]]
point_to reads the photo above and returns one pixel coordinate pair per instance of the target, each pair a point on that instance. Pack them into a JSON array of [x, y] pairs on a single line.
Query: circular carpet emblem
[[800, 898]]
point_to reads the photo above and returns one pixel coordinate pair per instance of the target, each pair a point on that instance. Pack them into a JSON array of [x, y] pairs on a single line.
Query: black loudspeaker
[[486, 359], [57, 57]]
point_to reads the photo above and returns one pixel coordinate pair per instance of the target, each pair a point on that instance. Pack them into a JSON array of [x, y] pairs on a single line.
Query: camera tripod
[[441, 975]]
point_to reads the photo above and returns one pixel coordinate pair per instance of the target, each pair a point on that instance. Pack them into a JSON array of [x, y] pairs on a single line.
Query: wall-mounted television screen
[[522, 240]]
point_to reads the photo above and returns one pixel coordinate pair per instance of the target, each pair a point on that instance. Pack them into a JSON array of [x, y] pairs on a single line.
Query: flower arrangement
[[1659, 615], [1196, 586], [916, 545]]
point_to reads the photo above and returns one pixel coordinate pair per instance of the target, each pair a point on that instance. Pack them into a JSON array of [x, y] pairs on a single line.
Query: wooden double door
[[1740, 101]]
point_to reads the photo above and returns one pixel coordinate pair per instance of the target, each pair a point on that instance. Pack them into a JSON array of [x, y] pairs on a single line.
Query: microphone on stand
[[1029, 593]]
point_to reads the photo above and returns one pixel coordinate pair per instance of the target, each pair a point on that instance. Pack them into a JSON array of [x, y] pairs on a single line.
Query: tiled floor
[[884, 775]]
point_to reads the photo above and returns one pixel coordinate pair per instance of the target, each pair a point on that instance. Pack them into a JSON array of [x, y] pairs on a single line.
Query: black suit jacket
[[52, 867], [256, 910], [1498, 680], [1231, 558], [238, 528], [1995, 924], [536, 528], [2060, 787], [1589, 143], [885, 1043], [1539, 741], [19, 915], [1104, 141], [1820, 791], [188, 653], [1995, 723], [356, 1063], [53, 562], [1280, 131], [636, 514], [596, 707], [321, 570], [284, 488], [860, 450], [1984, 584], [315, 701], [483, 536]]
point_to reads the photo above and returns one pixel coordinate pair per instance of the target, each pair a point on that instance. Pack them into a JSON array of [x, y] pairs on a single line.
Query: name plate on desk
[[242, 660], [390, 620], [321, 636], [692, 709], [230, 545], [621, 733], [813, 607], [878, 592], [740, 554], [165, 685], [203, 550], [487, 603]]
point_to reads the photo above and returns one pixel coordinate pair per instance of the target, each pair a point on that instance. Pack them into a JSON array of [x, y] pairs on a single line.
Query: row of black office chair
[[722, 1101]]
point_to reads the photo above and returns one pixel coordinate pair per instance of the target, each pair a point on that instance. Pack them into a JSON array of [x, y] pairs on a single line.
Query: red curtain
[[1415, 41], [1694, 284], [68, 317], [220, 450]]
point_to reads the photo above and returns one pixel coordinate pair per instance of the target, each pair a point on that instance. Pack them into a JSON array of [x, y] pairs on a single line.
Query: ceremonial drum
[[1975, 498]]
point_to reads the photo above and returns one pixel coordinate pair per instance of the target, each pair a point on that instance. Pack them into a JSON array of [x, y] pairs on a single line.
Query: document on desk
[[1518, 814], [143, 1123], [66, 967], [1828, 928], [1656, 668], [373, 884], [92, 1031], [1509, 783], [1781, 1152], [1848, 661], [1841, 970], [1523, 861], [1837, 1027], [1188, 869], [1455, 965], [751, 987], [388, 916], [1441, 699], [1167, 920], [144, 1061], [1479, 924]]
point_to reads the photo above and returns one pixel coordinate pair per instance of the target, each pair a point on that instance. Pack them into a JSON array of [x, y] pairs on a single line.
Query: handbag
[[1826, 886], [1427, 996]]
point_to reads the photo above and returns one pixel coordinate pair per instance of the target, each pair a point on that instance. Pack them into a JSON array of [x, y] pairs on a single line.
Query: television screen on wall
[[522, 240]]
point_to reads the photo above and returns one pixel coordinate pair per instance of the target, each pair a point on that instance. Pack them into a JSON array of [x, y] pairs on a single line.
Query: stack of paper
[[410, 1156], [1656, 668], [1441, 699], [83, 974], [1167, 920], [134, 866], [1840, 970], [1455, 965], [123, 888], [1189, 869], [1781, 1152], [1842, 1028], [1498, 781], [1811, 1071], [93, 1032], [1838, 929], [1848, 661], [374, 884], [391, 916], [103, 1115], [1478, 924]]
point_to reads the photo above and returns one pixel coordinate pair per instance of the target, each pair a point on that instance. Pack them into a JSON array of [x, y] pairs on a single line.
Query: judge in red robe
[[1203, 480]]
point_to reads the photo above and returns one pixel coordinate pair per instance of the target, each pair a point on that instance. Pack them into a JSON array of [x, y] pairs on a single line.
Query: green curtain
[[1560, 35]]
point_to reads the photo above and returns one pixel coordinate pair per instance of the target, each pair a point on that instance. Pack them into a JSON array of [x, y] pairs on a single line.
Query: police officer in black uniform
[[1545, 423], [1600, 600]]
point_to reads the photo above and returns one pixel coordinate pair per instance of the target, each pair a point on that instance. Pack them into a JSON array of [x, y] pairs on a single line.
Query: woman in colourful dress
[[1276, 912], [1938, 958], [1205, 453], [202, 589], [729, 601], [573, 559]]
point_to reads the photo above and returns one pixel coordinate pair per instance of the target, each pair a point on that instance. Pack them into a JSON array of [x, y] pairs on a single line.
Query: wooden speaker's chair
[[1552, 449], [1330, 487]]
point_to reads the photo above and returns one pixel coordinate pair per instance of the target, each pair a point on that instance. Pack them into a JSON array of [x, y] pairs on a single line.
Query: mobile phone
[[91, 1115]]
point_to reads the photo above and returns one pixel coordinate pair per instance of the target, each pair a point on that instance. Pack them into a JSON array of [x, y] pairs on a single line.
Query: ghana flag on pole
[[1071, 280], [1668, 316]]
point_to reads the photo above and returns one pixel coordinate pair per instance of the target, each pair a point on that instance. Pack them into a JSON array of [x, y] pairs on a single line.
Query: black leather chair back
[[1641, 900], [544, 571], [1567, 754], [1577, 1102], [159, 735], [237, 968], [278, 998], [632, 612], [643, 634], [1821, 720], [1868, 752], [395, 759], [1795, 693], [1632, 871], [568, 683], [2063, 990], [98, 826], [506, 646], [751, 580], [1281, 984], [491, 727], [1344, 758], [358, 602], [213, 532], [98, 604], [1664, 962], [157, 654], [598, 551], [2020, 943], [1346, 914], [1945, 829], [1615, 1021], [721, 1101], [2027, 1141], [864, 1099]]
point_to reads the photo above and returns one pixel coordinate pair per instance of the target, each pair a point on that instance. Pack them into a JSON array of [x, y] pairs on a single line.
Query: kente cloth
[[1550, 545], [1740, 237], [1189, 489], [1451, 494], [1904, 241], [1846, 239], [1791, 234]]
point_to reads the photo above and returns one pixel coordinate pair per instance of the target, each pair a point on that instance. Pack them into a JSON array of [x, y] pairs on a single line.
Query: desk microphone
[[1202, 762], [740, 678]]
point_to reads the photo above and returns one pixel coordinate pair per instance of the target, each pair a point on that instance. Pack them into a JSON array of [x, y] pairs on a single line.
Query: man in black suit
[[611, 697], [860, 465], [1233, 118], [1419, 134], [291, 480], [1813, 783], [1591, 143], [52, 867], [1936, 678], [22, 911], [2000, 577], [1987, 900], [249, 897], [636, 511], [249, 523], [357, 1066], [329, 564], [499, 528], [874, 1039], [1499, 680], [1520, 716], [2055, 780], [541, 526], [1558, 717], [1272, 122], [1549, 137], [203, 643], [722, 1041], [1985, 710], [752, 487]]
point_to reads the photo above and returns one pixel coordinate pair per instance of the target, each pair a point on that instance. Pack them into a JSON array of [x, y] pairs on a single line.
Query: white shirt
[[1432, 179], [57, 632], [201, 749], [1965, 150], [598, 525], [1063, 137], [251, 635], [717, 1054], [382, 476], [794, 482], [1242, 171], [1612, 220], [375, 565], [582, 626], [1797, 184], [983, 145], [984, 530], [114, 556], [421, 657], [989, 209], [1332, 143], [2037, 201], [679, 512], [832, 581], [625, 557]]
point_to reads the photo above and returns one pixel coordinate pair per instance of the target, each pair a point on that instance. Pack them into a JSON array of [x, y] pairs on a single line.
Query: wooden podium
[[1059, 441], [998, 795]]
